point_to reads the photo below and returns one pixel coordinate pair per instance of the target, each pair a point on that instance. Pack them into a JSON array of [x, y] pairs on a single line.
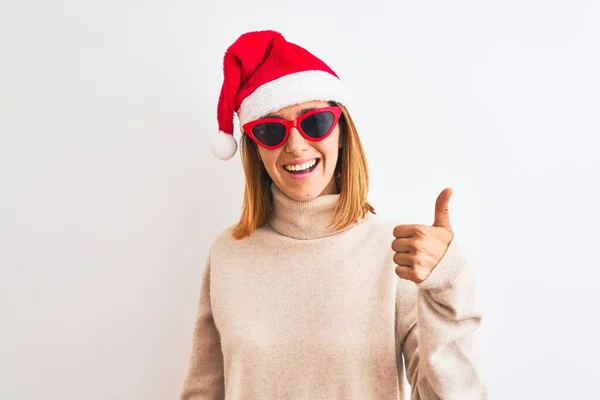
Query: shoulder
[[379, 226], [224, 243]]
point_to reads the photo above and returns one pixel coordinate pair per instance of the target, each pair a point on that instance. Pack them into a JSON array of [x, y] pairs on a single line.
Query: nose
[[296, 143]]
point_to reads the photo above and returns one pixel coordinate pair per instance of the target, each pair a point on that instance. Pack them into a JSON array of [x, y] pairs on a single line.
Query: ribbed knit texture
[[298, 311]]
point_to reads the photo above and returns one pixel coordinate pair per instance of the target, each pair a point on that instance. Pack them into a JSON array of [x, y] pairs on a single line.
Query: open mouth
[[302, 168]]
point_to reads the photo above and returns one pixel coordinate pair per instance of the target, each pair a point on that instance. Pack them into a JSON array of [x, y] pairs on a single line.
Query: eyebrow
[[303, 111]]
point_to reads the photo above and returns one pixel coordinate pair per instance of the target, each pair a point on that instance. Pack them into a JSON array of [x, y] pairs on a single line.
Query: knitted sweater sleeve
[[441, 357], [205, 377]]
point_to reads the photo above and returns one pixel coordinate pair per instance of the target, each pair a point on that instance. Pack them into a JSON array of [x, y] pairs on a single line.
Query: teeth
[[301, 167]]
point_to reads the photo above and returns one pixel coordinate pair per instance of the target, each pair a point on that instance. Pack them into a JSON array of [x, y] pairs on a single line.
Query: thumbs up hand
[[419, 248]]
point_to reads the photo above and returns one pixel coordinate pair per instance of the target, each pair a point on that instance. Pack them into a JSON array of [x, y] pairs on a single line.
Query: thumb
[[442, 216]]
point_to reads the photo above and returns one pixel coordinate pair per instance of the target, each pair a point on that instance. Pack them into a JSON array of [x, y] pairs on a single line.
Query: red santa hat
[[263, 72]]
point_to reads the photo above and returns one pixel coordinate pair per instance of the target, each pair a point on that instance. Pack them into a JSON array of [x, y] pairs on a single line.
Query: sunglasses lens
[[269, 133], [318, 125]]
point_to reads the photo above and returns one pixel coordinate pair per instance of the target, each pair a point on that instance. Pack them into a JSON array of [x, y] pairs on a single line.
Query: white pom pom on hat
[[262, 73], [224, 146]]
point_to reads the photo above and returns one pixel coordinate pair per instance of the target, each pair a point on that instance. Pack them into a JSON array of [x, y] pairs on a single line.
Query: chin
[[303, 192]]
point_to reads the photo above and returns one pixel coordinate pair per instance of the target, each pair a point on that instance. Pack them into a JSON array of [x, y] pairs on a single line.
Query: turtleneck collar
[[302, 219]]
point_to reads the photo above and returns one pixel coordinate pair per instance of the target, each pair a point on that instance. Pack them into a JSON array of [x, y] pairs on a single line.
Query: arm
[[205, 379], [441, 357]]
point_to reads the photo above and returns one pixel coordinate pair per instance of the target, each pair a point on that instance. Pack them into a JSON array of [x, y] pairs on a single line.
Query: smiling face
[[303, 169]]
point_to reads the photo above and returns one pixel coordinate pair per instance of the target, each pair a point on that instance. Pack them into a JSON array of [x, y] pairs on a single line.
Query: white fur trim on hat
[[291, 89], [224, 146]]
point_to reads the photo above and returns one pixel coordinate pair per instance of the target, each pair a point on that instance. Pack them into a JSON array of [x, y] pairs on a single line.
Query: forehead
[[296, 110]]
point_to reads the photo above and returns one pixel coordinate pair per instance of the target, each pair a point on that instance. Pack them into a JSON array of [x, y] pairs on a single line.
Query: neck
[[303, 219]]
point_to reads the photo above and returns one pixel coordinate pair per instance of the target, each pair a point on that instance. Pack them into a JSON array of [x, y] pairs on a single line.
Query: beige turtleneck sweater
[[296, 311]]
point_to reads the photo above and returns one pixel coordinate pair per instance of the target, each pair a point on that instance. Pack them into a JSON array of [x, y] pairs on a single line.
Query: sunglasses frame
[[293, 123]]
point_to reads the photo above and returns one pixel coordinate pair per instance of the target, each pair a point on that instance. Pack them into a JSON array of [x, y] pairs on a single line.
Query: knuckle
[[421, 230], [417, 259], [420, 273], [417, 244]]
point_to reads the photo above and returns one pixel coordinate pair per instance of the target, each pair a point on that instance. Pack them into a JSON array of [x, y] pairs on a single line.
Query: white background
[[110, 197]]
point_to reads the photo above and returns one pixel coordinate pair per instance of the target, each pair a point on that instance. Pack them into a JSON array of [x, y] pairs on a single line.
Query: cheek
[[329, 148], [270, 158]]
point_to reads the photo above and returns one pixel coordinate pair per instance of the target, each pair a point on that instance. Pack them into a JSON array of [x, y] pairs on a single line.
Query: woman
[[310, 295]]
